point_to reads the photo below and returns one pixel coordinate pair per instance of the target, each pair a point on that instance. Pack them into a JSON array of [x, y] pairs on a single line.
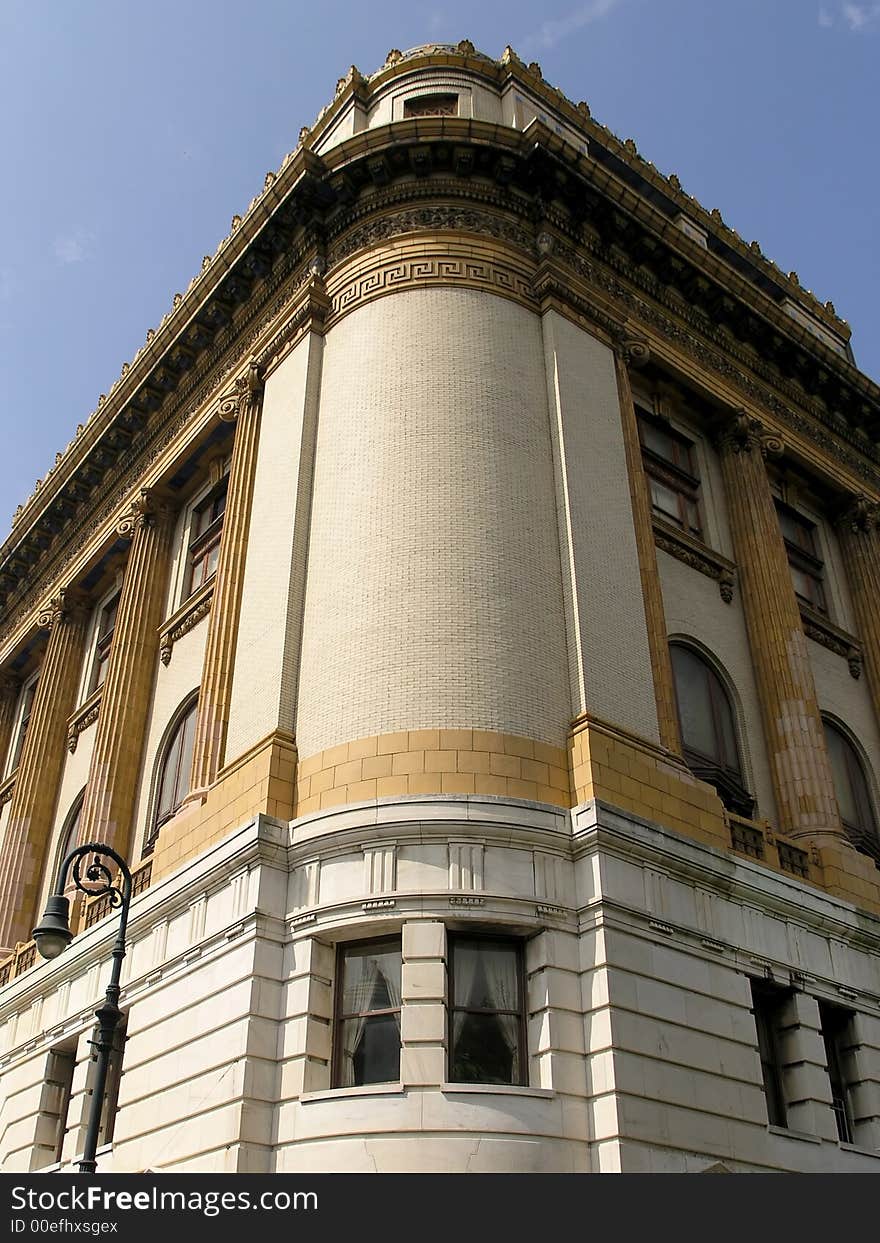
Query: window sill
[[697, 555], [85, 715], [862, 1152], [787, 1133], [818, 628], [191, 612], [370, 1089], [498, 1089]]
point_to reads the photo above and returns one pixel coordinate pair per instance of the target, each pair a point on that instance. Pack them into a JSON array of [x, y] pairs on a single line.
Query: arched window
[[708, 728], [172, 783], [70, 832], [853, 792]]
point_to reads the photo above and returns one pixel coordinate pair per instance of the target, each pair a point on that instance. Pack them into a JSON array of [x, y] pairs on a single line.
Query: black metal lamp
[[52, 937]]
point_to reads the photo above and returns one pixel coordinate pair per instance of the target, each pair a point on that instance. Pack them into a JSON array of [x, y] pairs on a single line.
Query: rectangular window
[[807, 567], [367, 1046], [103, 643], [839, 1038], [27, 706], [59, 1081], [769, 1003], [206, 528], [431, 106], [487, 1021], [673, 478]]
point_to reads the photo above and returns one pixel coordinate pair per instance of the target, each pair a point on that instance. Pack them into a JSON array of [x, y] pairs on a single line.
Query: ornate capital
[[67, 605], [247, 389], [743, 433], [148, 508], [632, 349], [860, 516]]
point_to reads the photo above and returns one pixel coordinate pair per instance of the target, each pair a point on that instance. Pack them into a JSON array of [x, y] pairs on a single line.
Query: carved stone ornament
[[185, 621], [698, 556], [633, 349], [67, 605], [818, 628], [86, 716], [247, 387], [743, 433], [144, 510], [861, 515]]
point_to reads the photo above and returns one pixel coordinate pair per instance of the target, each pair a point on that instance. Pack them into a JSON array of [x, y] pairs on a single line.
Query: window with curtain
[[367, 1048], [853, 792], [487, 1011], [708, 728], [174, 772]]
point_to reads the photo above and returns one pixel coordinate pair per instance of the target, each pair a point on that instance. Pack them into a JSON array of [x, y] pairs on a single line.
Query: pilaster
[[40, 766], [859, 532], [631, 349], [801, 771], [116, 759], [213, 718]]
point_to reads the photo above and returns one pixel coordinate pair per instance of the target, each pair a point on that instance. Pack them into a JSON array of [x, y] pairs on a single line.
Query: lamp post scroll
[[52, 937]]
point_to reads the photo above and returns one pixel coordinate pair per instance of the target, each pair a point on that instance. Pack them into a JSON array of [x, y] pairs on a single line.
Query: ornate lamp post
[[52, 937]]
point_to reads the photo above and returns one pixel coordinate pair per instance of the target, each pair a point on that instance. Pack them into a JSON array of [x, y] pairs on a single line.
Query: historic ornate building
[[463, 613]]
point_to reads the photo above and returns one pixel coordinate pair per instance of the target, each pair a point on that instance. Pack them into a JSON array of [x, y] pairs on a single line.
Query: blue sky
[[132, 134]]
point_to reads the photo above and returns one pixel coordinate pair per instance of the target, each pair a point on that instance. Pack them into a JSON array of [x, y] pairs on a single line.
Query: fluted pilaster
[[10, 688], [125, 699], [802, 779], [655, 616], [859, 531], [214, 698], [40, 766]]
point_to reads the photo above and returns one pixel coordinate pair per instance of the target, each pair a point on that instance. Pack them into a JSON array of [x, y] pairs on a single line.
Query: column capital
[[148, 508], [742, 433], [67, 605], [631, 348], [859, 514], [247, 389]]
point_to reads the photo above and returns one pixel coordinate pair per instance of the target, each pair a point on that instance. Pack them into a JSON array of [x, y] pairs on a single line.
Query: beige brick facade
[[410, 562]]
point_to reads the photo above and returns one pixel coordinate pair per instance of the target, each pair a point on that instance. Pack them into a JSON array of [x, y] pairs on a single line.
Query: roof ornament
[[465, 47], [393, 57]]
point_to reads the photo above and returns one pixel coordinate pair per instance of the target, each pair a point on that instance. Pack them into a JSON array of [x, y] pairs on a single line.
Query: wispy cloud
[[72, 247], [551, 32], [857, 17]]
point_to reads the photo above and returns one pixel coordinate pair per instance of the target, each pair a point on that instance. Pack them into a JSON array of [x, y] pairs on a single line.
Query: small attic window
[[431, 106]]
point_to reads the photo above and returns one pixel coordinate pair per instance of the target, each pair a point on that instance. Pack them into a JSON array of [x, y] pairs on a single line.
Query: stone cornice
[[246, 286], [821, 630]]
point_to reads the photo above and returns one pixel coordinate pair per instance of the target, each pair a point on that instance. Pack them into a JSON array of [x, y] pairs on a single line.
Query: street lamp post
[[52, 937]]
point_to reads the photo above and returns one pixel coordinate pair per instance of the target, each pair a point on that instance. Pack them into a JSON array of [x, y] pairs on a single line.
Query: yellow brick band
[[433, 761]]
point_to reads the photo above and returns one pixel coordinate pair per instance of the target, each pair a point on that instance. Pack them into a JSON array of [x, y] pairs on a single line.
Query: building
[[463, 614]]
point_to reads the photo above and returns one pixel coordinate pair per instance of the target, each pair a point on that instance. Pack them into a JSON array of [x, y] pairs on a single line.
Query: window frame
[[427, 99], [201, 543], [340, 1017], [768, 1002], [803, 556], [177, 723], [864, 837], [834, 1022], [102, 644], [518, 944], [683, 480], [26, 699], [729, 782]]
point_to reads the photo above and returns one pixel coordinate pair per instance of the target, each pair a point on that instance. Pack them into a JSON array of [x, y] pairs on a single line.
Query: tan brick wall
[[267, 651], [433, 592], [433, 761]]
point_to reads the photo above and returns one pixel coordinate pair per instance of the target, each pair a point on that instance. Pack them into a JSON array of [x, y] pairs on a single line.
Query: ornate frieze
[[820, 629]]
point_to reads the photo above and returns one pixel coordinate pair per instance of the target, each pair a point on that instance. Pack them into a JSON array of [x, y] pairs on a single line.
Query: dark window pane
[[485, 1048], [694, 702], [370, 1050]]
